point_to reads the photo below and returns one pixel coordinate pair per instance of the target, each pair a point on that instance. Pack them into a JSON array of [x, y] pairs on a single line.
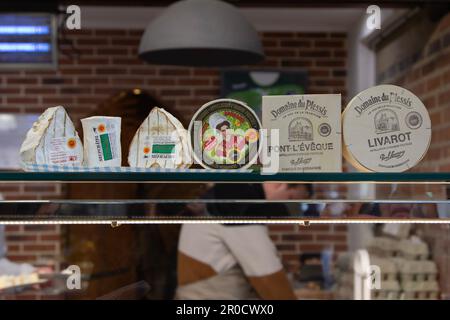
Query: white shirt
[[222, 247]]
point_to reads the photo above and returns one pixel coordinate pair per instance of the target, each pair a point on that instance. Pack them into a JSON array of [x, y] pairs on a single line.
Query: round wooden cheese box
[[385, 129], [224, 134]]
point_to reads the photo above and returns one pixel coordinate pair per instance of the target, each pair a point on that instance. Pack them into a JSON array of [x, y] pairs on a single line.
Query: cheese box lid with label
[[385, 129], [309, 128], [224, 134]]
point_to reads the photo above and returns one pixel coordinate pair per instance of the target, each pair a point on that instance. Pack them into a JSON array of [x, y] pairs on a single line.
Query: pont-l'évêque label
[[309, 131]]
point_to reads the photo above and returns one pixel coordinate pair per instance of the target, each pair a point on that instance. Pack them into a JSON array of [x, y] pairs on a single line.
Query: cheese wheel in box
[[385, 129]]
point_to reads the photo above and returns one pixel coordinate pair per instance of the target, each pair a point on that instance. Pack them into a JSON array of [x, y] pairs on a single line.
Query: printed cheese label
[[104, 135], [158, 147], [309, 131], [63, 150], [386, 128]]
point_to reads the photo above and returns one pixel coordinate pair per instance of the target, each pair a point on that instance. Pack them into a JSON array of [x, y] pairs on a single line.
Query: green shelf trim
[[255, 177]]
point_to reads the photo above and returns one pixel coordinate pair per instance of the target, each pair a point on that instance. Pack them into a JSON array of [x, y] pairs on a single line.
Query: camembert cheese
[[52, 140], [385, 129], [160, 142]]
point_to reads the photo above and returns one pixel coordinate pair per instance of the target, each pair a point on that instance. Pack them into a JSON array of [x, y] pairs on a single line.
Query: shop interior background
[[329, 43]]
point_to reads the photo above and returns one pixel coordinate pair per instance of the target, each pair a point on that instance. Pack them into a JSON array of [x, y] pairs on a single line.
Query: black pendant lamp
[[207, 33]]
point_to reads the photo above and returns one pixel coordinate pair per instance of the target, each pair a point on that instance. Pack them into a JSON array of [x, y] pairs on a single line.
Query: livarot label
[[385, 129], [309, 128]]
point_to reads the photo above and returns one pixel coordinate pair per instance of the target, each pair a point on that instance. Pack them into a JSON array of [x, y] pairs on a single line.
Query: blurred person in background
[[235, 261], [397, 207]]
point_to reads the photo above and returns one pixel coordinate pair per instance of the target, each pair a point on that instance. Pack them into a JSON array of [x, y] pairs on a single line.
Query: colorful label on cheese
[[63, 150], [386, 128], [309, 131], [158, 147], [102, 141], [104, 134], [225, 135]]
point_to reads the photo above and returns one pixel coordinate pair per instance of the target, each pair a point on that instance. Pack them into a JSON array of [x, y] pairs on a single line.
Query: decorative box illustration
[[224, 134]]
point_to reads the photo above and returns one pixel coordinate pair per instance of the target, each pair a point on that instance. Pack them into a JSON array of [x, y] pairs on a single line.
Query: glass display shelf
[[125, 211], [246, 197], [229, 177]]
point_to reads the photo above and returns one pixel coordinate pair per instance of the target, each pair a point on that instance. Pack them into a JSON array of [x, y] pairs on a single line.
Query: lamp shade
[[201, 33]]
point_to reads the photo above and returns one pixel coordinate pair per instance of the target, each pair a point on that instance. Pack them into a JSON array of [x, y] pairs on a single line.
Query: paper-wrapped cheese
[[385, 129], [101, 136], [160, 142], [52, 140], [309, 131]]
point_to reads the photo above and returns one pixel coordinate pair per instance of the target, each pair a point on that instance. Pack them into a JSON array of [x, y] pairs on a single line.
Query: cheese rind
[[309, 131], [160, 142], [52, 140], [385, 129], [101, 137]]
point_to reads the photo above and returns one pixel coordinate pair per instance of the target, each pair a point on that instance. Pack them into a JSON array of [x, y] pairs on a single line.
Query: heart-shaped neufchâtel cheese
[[160, 142], [385, 129]]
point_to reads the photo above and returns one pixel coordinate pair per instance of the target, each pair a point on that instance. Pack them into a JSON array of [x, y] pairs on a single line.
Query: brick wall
[[292, 240], [429, 78], [36, 244], [105, 62]]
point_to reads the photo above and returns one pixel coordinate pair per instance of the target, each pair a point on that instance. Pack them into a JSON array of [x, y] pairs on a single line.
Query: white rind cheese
[[309, 131], [160, 142], [385, 129], [52, 140], [101, 137]]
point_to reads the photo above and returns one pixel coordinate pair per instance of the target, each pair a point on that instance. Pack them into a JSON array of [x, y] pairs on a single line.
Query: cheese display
[[160, 142], [385, 129], [309, 131], [224, 134], [406, 271], [101, 136], [8, 281], [52, 140]]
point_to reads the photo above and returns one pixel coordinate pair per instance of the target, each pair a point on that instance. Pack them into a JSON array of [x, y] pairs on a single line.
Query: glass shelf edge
[[228, 177], [303, 221], [234, 201]]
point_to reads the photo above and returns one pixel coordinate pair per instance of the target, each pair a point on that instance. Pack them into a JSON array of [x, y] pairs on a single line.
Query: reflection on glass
[[404, 261]]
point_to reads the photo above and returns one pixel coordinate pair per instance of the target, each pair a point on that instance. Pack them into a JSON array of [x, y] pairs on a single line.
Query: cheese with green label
[[101, 137], [309, 129], [385, 129], [52, 140], [160, 142]]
